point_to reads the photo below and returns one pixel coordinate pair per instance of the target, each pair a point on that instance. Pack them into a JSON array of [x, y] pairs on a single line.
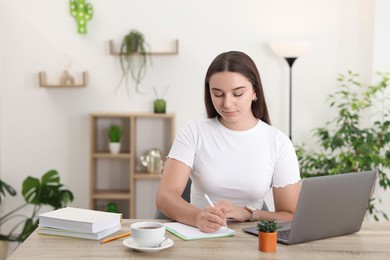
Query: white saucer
[[130, 244]]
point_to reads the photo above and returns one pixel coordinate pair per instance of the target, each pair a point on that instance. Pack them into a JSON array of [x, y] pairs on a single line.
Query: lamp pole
[[290, 61], [290, 51]]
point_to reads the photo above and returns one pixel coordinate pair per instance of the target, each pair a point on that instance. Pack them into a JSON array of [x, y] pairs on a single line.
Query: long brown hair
[[236, 61]]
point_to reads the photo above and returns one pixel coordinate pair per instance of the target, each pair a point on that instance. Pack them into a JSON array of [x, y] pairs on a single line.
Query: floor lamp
[[290, 51]]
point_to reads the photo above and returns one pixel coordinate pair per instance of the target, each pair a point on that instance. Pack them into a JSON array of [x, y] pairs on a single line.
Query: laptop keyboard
[[283, 235]]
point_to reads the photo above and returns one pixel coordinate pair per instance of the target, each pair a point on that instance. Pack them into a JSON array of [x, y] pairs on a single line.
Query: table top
[[371, 242]]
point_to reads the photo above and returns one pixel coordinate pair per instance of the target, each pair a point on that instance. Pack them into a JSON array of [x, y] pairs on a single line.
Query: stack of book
[[81, 223]]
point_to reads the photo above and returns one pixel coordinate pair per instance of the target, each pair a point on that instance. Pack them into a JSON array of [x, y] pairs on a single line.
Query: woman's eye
[[237, 94], [218, 94]]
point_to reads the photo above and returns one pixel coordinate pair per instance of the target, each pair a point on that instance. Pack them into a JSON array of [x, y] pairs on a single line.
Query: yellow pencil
[[116, 237]]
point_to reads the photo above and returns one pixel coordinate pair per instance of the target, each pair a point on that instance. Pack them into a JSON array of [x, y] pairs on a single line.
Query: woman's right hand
[[210, 219]]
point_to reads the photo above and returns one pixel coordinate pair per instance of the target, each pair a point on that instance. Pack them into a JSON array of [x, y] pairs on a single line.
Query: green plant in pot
[[112, 207], [348, 145], [267, 235], [159, 104], [133, 56], [36, 193], [115, 135]]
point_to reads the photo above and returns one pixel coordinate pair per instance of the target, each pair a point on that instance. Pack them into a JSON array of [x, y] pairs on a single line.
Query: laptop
[[328, 206]]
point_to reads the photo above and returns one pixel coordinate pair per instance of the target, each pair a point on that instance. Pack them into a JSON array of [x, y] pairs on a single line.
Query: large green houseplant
[[133, 57], [346, 143], [47, 191]]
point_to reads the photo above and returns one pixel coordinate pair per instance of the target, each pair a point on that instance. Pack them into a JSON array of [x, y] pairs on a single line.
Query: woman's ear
[[254, 97]]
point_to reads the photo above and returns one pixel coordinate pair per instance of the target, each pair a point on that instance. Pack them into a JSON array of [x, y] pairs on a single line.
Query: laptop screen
[[330, 206]]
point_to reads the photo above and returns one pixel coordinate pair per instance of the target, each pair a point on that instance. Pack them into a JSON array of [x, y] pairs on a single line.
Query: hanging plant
[[133, 59]]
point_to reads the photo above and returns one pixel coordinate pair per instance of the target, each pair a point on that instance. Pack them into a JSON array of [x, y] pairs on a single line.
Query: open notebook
[[186, 232]]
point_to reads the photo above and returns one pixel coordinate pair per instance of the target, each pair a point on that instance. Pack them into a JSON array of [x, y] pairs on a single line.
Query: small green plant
[[346, 143], [112, 207], [115, 133], [268, 226], [133, 58], [36, 193], [159, 103]]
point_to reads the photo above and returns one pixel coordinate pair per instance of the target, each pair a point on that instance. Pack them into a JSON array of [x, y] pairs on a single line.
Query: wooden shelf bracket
[[173, 52], [66, 80]]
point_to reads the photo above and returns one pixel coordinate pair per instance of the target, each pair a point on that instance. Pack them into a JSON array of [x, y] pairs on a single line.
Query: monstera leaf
[[46, 191], [4, 187]]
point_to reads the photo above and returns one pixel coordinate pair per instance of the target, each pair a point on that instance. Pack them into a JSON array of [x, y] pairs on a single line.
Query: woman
[[234, 156]]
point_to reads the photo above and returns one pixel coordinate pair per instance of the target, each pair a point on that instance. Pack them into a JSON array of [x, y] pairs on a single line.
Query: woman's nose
[[227, 102]]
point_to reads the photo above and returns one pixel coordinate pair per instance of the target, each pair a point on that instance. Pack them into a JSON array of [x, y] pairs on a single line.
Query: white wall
[[1, 87], [381, 63], [43, 128], [381, 53]]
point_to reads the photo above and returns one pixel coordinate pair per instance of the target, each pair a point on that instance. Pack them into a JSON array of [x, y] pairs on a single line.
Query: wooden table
[[372, 242]]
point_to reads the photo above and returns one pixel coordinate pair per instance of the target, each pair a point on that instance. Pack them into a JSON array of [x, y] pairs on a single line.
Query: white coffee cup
[[147, 234]]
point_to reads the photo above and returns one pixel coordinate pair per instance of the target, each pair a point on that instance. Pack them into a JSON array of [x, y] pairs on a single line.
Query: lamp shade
[[289, 49]]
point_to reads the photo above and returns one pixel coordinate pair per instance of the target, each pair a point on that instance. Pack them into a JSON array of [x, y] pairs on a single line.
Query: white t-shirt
[[240, 166]]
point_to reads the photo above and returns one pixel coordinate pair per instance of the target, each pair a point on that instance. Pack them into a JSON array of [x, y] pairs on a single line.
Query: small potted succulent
[[114, 135], [267, 235]]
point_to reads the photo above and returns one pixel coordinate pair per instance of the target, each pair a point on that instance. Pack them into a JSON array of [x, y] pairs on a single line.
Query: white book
[[70, 233], [186, 232], [80, 220]]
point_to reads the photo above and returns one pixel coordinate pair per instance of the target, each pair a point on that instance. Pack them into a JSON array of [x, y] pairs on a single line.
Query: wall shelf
[[146, 176], [119, 195], [113, 51], [110, 155], [65, 81]]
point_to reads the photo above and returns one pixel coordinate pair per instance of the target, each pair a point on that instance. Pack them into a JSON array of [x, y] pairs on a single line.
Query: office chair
[[186, 196]]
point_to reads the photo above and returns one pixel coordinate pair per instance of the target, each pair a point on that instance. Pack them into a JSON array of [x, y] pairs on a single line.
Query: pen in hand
[[212, 205]]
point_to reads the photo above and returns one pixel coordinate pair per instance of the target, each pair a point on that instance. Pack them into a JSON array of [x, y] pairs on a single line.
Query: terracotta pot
[[267, 242]]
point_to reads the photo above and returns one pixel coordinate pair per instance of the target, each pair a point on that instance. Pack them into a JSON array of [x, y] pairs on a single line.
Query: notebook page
[[186, 232]]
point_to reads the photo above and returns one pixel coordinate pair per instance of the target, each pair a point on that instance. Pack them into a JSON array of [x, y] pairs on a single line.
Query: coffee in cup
[[147, 234]]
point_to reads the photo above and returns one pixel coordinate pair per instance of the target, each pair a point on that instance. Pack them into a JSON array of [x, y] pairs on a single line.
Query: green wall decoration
[[82, 12]]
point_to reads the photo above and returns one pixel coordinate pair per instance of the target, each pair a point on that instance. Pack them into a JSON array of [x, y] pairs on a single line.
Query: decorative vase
[[114, 147], [267, 241], [159, 106], [152, 160], [66, 79]]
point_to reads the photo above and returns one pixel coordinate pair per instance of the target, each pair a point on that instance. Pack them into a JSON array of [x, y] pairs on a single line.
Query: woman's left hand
[[233, 211]]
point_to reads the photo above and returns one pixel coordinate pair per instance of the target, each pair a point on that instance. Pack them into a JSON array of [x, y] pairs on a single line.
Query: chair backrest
[[186, 195]]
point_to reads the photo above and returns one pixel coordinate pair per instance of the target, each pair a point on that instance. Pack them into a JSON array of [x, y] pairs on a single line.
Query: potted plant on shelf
[[348, 145], [112, 207], [133, 58], [159, 104], [267, 235], [36, 193], [114, 135]]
